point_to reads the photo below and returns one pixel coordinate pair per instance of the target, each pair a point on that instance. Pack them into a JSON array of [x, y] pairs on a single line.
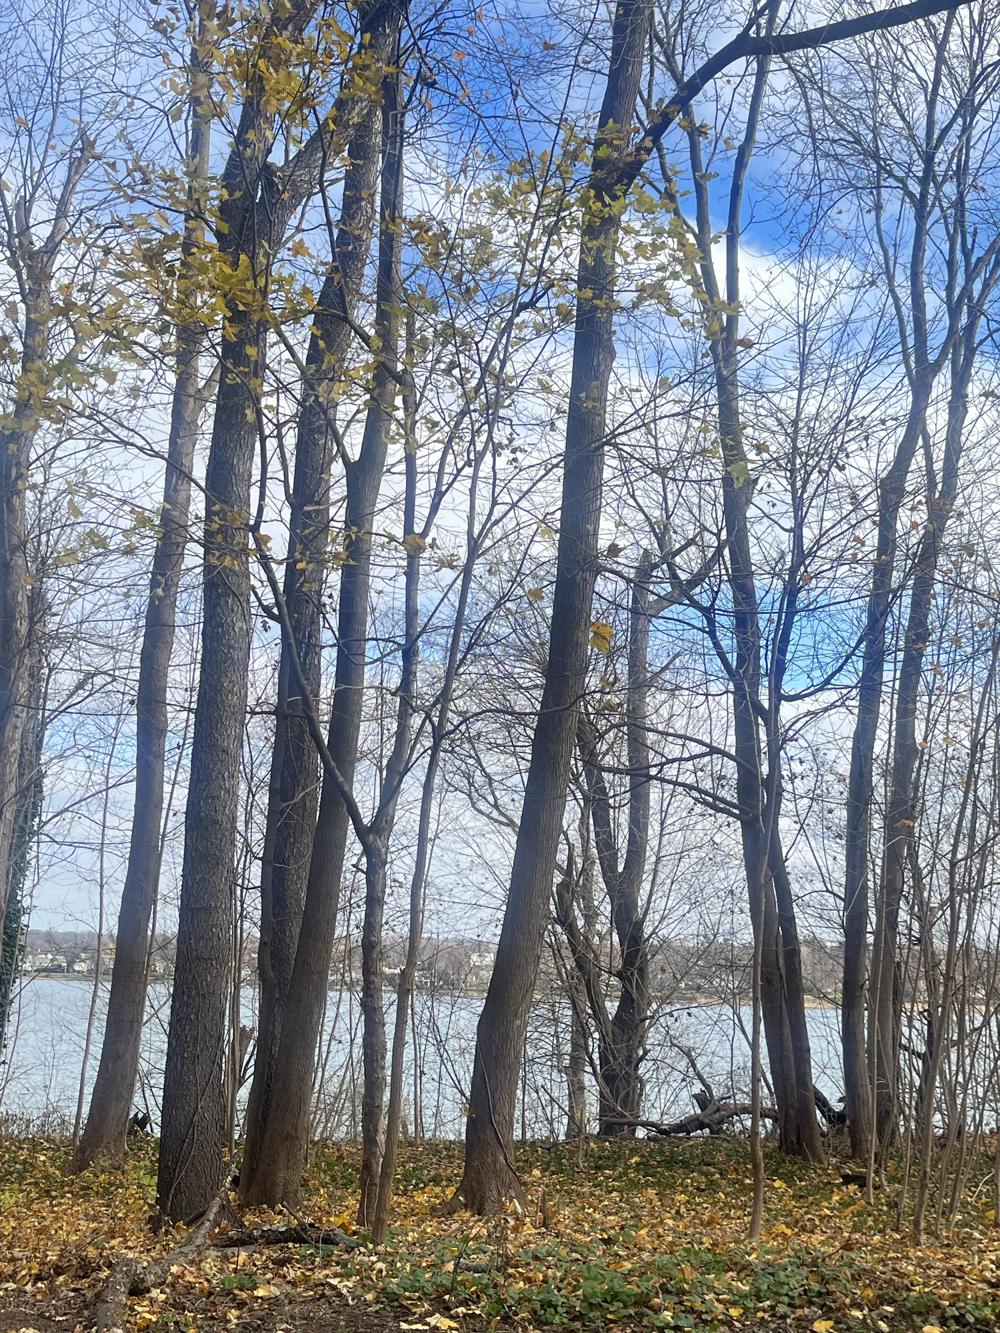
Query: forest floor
[[640, 1235]]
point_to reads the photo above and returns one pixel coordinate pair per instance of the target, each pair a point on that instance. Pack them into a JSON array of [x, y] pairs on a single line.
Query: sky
[[532, 47]]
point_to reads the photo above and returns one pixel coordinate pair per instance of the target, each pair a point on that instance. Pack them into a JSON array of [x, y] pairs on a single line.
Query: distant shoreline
[[463, 993]]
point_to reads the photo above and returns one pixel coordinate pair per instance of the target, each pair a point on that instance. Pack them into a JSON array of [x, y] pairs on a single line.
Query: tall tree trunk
[[292, 796], [16, 629], [284, 1143], [900, 818], [758, 770], [111, 1100], [860, 787], [376, 1174], [193, 1129], [861, 1097], [258, 199], [489, 1174], [194, 1099]]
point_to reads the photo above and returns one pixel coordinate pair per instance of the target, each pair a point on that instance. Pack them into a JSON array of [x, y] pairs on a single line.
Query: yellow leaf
[[535, 594], [822, 1325], [413, 543], [601, 634]]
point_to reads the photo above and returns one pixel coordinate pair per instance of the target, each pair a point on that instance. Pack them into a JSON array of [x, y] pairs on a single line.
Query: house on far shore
[[44, 963]]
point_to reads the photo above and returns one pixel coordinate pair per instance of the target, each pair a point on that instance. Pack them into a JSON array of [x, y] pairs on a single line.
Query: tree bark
[[284, 1143], [901, 810], [111, 1100], [293, 792], [258, 199], [489, 1174]]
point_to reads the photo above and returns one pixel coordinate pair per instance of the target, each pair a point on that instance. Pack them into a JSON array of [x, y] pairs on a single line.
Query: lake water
[[40, 1074]]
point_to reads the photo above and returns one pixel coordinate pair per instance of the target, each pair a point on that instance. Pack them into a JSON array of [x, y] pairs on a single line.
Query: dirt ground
[[321, 1314]]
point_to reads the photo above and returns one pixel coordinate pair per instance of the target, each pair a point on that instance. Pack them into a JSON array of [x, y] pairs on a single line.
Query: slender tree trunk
[[490, 1174], [293, 792], [373, 1042], [405, 986], [758, 779], [865, 1104], [622, 1080], [376, 1181], [860, 787], [886, 989], [576, 1064], [621, 1040], [95, 990], [111, 1100], [284, 1143]]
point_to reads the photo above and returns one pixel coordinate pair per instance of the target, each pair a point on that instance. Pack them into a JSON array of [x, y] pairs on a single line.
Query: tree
[[292, 797], [258, 199], [284, 1138], [111, 1101], [39, 211], [489, 1172], [924, 236]]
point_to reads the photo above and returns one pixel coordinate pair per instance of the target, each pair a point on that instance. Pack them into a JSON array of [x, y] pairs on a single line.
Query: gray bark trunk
[[294, 787], [111, 1101], [490, 1174], [284, 1144]]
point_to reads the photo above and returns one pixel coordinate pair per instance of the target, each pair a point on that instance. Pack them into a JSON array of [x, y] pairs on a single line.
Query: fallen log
[[709, 1118], [302, 1233], [130, 1277], [833, 1117]]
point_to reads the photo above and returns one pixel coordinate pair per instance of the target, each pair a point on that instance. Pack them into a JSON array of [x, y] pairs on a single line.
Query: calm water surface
[[40, 1074]]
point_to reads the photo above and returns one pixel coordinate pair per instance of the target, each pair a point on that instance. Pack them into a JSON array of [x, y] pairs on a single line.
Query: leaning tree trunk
[[489, 1174], [111, 1101]]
